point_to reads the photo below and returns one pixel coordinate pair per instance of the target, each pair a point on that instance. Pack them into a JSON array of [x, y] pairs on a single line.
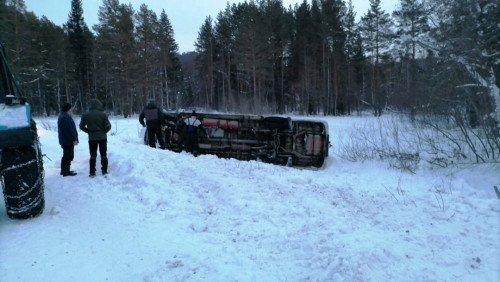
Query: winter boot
[[92, 163], [104, 165]]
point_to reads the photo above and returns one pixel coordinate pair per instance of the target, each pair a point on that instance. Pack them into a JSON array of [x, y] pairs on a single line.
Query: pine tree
[[205, 59], [354, 58], [412, 28], [225, 44], [252, 55], [276, 19], [80, 40], [335, 41], [376, 34], [170, 66], [146, 37], [51, 45], [468, 38], [302, 70], [116, 52]]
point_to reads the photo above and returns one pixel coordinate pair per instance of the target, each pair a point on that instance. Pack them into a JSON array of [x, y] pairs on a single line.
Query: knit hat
[[95, 104], [182, 114], [65, 107]]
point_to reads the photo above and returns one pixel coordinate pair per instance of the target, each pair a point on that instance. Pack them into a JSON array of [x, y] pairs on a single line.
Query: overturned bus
[[273, 139]]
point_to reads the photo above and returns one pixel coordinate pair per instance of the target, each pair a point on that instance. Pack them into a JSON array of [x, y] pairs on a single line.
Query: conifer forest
[[438, 58]]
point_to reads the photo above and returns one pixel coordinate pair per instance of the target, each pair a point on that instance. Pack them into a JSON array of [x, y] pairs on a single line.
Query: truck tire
[[22, 179], [279, 123]]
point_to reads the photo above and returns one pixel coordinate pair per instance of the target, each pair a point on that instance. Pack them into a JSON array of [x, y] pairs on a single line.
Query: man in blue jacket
[[96, 124], [68, 138]]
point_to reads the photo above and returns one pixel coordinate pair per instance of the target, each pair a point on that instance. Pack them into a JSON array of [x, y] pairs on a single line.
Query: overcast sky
[[186, 16]]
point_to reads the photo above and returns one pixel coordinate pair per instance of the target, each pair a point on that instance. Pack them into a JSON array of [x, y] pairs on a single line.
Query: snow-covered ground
[[163, 216]]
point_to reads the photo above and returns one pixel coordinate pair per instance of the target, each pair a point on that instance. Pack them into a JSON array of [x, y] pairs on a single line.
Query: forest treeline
[[440, 57]]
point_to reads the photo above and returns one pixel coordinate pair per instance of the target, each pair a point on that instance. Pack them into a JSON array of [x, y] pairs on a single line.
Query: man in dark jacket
[[180, 128], [96, 124], [68, 138], [193, 128], [155, 124]]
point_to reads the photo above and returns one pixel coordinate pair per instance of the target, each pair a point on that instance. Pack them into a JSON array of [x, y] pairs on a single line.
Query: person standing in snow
[[155, 124], [180, 128], [96, 124], [68, 138], [193, 128]]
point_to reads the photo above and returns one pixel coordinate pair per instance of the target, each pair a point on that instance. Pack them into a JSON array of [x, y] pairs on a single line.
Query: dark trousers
[[67, 158], [192, 143], [181, 140], [102, 145], [153, 134]]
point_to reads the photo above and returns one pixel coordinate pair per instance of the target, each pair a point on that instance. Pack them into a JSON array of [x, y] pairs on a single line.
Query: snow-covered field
[[163, 216]]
